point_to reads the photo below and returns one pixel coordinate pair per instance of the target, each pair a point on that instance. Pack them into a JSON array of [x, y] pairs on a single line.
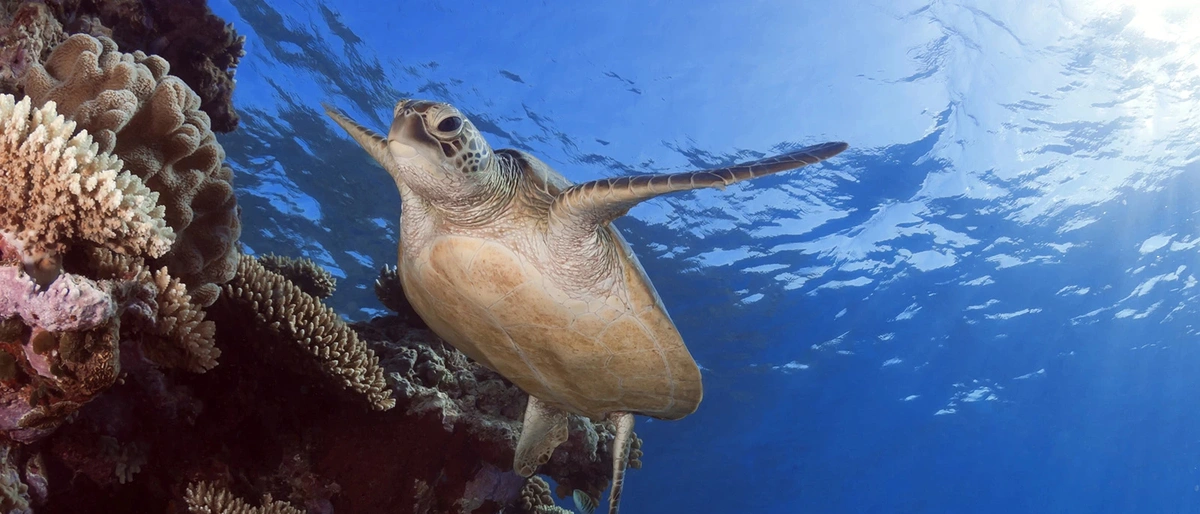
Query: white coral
[[57, 188]]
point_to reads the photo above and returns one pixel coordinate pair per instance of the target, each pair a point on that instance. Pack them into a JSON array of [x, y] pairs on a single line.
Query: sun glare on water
[[1167, 20]]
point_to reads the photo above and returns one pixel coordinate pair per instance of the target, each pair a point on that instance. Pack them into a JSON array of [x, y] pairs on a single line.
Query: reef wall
[[148, 365]]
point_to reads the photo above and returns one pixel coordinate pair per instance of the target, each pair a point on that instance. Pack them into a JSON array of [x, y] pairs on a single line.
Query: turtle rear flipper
[[623, 423], [544, 429]]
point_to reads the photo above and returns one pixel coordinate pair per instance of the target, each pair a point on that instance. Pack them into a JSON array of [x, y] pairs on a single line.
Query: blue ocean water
[[987, 305]]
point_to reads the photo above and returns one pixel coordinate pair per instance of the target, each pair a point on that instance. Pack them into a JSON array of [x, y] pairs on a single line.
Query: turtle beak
[[407, 131]]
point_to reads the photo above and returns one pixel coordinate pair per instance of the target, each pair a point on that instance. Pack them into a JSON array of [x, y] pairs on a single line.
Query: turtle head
[[448, 155]]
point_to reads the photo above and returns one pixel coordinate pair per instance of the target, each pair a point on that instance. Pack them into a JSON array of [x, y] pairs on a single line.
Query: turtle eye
[[450, 124]]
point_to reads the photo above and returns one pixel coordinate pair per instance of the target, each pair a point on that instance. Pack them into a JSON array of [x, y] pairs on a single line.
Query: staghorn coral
[[210, 498], [58, 189], [300, 318], [150, 120], [306, 274], [183, 338]]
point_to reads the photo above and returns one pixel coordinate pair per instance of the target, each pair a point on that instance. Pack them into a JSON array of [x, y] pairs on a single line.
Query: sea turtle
[[522, 271]]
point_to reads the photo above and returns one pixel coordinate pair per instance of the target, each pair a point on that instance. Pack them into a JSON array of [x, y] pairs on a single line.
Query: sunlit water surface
[[986, 305]]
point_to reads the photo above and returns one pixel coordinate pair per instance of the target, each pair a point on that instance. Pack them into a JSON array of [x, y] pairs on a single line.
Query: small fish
[[583, 502]]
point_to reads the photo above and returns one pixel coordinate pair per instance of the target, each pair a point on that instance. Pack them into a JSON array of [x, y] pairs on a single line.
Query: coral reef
[[149, 119], [169, 145], [302, 320], [180, 338], [147, 366], [209, 498], [390, 292], [432, 379], [203, 50], [15, 494], [306, 274], [56, 188], [28, 30], [534, 495]]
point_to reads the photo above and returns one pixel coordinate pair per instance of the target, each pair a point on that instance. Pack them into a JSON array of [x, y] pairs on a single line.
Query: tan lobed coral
[[152, 121], [301, 318], [535, 494], [210, 498], [635, 453], [303, 272], [203, 50], [57, 187]]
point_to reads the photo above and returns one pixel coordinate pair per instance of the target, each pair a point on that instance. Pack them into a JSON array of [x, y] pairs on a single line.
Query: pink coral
[[72, 302]]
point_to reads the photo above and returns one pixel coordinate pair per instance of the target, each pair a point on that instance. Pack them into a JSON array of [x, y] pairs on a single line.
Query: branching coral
[[301, 318], [171, 328], [61, 348], [210, 498], [152, 121], [303, 272], [183, 339], [57, 188]]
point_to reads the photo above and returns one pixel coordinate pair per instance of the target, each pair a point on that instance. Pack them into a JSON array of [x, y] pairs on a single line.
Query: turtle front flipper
[[600, 201], [372, 142], [544, 429], [623, 422]]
